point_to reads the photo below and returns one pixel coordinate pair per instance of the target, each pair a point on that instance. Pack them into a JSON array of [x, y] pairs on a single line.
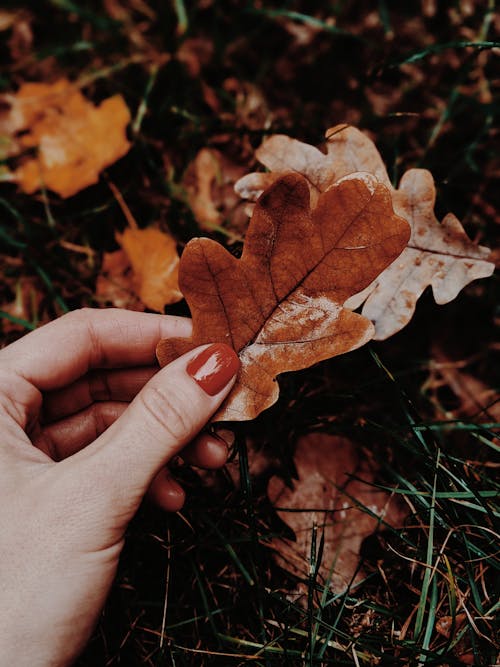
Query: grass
[[201, 587]]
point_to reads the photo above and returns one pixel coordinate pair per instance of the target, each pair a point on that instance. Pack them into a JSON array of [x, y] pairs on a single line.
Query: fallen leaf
[[7, 19], [198, 183], [280, 305], [344, 511], [195, 53], [251, 109], [209, 184], [448, 624], [74, 139], [115, 284], [440, 255], [155, 264], [475, 398], [348, 151], [20, 42], [449, 627]]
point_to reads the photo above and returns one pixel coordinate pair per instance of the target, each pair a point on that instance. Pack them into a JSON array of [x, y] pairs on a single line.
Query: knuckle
[[79, 314], [89, 319], [167, 412]]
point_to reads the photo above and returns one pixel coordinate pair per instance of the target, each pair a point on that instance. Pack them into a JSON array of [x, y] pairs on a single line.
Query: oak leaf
[[334, 493], [440, 255], [155, 264], [280, 305], [74, 139]]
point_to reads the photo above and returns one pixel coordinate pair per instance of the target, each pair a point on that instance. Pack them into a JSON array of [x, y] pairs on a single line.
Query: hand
[[74, 471]]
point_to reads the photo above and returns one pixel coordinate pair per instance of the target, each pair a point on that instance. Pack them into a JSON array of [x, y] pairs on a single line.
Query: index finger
[[63, 350]]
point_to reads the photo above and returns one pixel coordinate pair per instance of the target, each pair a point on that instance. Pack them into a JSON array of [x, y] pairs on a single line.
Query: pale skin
[[88, 427]]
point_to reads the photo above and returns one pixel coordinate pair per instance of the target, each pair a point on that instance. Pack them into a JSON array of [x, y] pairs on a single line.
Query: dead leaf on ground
[[114, 284], [19, 22], [327, 498], [446, 625], [440, 255], [74, 139], [280, 305], [251, 108], [209, 184], [475, 398], [155, 264]]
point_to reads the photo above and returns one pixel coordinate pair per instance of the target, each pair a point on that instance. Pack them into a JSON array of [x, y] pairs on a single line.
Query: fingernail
[[213, 368]]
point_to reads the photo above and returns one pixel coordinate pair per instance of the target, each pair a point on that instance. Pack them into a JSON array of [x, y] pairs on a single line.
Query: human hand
[[74, 471]]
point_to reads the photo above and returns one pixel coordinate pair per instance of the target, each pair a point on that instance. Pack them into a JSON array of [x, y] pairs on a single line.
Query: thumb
[[168, 412]]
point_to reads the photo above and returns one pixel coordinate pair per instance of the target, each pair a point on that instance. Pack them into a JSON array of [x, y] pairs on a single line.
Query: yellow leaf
[[155, 263], [74, 139]]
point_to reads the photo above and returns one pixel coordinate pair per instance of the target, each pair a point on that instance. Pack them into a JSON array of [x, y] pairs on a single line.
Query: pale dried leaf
[[344, 510], [440, 255], [280, 305], [155, 263], [347, 151]]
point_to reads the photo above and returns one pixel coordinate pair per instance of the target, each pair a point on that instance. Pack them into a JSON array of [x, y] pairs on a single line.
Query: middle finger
[[120, 384]]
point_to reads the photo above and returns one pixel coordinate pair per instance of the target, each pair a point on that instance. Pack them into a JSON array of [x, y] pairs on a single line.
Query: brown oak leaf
[[440, 255], [343, 509], [280, 305], [74, 139]]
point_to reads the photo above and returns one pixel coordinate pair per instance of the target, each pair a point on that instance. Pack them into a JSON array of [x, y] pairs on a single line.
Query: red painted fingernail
[[213, 368]]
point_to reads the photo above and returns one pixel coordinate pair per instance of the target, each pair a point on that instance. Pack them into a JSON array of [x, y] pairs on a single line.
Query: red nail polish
[[214, 367]]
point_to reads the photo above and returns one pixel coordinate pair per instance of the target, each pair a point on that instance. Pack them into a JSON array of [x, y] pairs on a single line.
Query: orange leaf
[[155, 263], [75, 140], [280, 305], [327, 498], [440, 255]]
